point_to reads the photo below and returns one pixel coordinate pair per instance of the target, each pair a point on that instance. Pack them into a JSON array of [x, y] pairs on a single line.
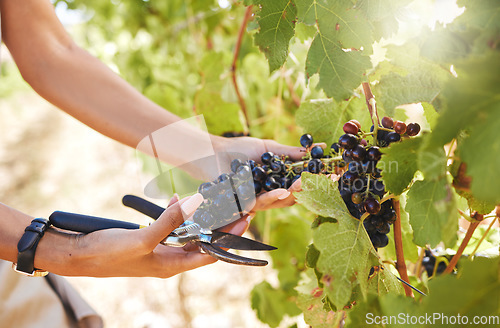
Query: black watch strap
[[27, 245]]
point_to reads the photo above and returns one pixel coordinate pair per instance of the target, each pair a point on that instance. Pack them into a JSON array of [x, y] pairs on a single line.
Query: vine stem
[[246, 18], [372, 108], [465, 241], [398, 242]]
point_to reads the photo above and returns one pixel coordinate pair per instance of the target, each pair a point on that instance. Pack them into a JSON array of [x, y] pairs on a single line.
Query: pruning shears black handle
[[87, 223]]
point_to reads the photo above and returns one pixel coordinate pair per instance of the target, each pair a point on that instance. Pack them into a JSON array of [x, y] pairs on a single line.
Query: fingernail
[[297, 185], [175, 196], [190, 206], [249, 218], [284, 194]]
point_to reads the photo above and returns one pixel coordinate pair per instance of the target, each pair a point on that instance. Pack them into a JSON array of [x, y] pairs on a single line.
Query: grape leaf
[[481, 152], [346, 254], [431, 159], [469, 97], [473, 292], [213, 108], [276, 19], [430, 113], [443, 45], [432, 210], [311, 301], [271, 304], [324, 119], [399, 164]]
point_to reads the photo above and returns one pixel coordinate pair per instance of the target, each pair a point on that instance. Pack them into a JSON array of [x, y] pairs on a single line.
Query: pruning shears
[[211, 242]]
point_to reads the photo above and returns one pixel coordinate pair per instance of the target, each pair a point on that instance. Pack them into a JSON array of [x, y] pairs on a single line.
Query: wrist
[[56, 252]]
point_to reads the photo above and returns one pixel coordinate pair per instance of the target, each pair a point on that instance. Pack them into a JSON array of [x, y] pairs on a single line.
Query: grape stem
[[372, 108], [465, 241], [248, 14], [398, 242]]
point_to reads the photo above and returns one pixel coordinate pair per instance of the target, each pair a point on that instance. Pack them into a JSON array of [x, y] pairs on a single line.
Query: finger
[[294, 153], [171, 218], [173, 200], [266, 199], [193, 260]]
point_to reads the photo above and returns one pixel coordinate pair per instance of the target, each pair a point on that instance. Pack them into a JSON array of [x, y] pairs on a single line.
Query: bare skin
[[85, 88]]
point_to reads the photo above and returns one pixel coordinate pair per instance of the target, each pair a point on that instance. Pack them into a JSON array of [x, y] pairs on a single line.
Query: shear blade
[[227, 240], [222, 255]]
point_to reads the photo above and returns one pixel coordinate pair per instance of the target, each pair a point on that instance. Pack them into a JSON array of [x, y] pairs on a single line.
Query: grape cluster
[[360, 186], [232, 195]]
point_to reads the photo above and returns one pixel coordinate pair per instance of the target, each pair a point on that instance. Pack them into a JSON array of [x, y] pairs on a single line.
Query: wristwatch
[[27, 248]]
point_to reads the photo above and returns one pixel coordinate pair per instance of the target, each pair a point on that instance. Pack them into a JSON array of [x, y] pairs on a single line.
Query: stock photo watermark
[[438, 319]]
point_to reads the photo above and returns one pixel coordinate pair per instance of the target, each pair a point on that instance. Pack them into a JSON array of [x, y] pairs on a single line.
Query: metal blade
[[222, 255], [227, 240]]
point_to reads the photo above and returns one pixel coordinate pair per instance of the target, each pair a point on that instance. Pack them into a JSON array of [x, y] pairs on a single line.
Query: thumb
[[172, 218]]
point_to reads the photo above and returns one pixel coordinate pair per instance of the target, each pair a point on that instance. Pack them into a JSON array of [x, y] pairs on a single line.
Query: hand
[[137, 253], [254, 148]]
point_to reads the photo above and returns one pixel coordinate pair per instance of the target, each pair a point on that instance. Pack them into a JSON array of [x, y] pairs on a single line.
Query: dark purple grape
[[223, 177], [257, 187], [306, 140], [379, 240], [356, 167], [285, 182], [275, 167], [377, 187], [348, 141], [235, 164], [314, 166], [267, 157], [373, 153], [358, 153], [369, 166], [317, 152], [370, 228], [245, 191], [270, 184], [385, 228], [372, 206], [392, 137], [243, 172], [359, 185], [349, 177], [357, 198], [205, 189], [412, 129], [346, 155], [259, 174], [335, 148], [251, 163]]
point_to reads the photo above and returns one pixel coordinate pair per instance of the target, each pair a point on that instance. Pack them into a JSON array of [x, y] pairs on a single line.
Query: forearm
[[80, 84]]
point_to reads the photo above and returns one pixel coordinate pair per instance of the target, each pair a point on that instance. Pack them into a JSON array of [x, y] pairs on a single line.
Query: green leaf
[[468, 98], [399, 164], [481, 152], [431, 159], [324, 119], [277, 23], [430, 113], [433, 214], [271, 304], [213, 108], [443, 45], [340, 72], [473, 292], [311, 301]]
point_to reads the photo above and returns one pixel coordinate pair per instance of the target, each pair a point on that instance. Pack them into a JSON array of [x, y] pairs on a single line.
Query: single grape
[[369, 166], [243, 172], [373, 153], [372, 206], [377, 187], [306, 140], [270, 184], [349, 177], [359, 185], [369, 227], [358, 153], [387, 122], [399, 127], [314, 166], [351, 128], [335, 148], [235, 163], [285, 182], [245, 191], [267, 157], [412, 129], [357, 198], [346, 155], [356, 122], [204, 189], [223, 177], [364, 142], [348, 141], [275, 167], [356, 167], [259, 174], [317, 152], [379, 240], [251, 163], [392, 137]]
